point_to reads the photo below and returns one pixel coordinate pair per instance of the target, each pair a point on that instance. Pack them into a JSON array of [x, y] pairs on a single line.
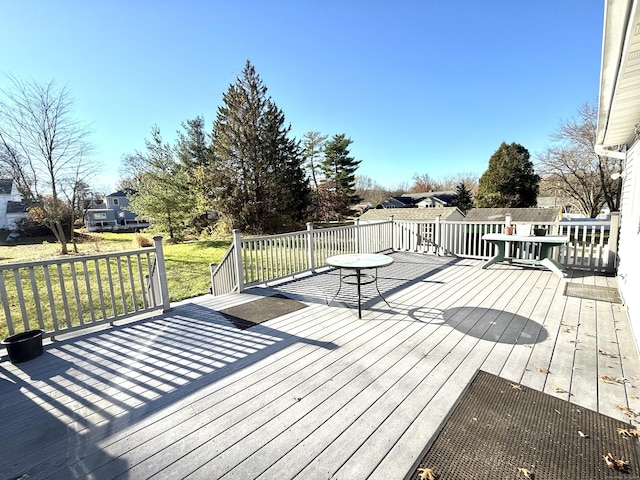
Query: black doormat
[[592, 292], [255, 312], [501, 430]]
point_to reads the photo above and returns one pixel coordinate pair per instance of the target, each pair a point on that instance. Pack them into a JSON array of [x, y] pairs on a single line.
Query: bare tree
[[468, 179], [576, 171], [370, 191], [45, 147], [424, 183]]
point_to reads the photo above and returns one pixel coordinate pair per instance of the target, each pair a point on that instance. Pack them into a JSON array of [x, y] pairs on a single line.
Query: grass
[[187, 264]]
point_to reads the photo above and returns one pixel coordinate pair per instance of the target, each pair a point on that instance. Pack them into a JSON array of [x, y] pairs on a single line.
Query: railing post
[[237, 248], [393, 248], [356, 224], [161, 273], [438, 234], [614, 231], [311, 248]]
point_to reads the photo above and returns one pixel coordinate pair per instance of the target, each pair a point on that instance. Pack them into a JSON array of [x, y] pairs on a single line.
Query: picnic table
[[546, 242]]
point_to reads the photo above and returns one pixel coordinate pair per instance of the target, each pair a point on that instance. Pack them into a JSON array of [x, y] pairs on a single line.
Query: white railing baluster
[[36, 296], [5, 304]]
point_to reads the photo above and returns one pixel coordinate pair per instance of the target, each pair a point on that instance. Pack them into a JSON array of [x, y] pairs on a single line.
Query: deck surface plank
[[317, 393]]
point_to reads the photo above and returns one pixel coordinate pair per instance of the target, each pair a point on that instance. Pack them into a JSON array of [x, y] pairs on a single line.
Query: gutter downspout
[[600, 150]]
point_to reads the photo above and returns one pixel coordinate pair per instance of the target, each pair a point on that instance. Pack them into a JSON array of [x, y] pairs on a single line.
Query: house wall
[[7, 222], [629, 244]]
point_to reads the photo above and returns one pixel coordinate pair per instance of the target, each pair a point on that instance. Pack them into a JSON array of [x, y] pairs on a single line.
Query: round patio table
[[357, 262]]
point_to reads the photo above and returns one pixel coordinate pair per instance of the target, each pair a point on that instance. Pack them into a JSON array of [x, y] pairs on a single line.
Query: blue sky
[[420, 86]]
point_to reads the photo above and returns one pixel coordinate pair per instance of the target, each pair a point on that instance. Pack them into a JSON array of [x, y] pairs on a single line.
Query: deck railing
[[254, 260], [250, 261], [68, 294]]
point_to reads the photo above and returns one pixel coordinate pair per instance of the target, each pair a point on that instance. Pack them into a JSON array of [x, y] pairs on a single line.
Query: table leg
[[499, 257], [555, 267], [339, 288], [550, 263], [376, 283]]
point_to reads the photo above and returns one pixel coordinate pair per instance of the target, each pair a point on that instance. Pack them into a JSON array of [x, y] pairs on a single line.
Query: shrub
[[142, 241]]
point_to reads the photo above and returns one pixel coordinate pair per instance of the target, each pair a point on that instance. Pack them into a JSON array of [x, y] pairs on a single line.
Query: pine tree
[[193, 151], [463, 198], [339, 167], [161, 188], [509, 181], [313, 146], [259, 182]]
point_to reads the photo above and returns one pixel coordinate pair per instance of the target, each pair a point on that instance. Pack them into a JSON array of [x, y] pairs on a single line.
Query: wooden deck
[[315, 394]]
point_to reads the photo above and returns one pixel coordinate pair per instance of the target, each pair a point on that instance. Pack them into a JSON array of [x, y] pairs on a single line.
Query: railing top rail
[[71, 259], [304, 232], [271, 237]]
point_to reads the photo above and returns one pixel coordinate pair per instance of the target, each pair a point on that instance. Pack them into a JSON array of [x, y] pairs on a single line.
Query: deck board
[[316, 393]]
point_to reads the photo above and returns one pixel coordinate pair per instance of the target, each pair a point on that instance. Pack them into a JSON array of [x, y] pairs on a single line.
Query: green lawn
[[188, 273]]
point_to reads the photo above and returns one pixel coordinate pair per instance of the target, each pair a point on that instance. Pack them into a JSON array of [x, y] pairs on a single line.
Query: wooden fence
[[72, 293]]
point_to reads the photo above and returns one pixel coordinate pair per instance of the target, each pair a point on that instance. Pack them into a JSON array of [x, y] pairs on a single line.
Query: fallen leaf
[[629, 432], [515, 386], [582, 434], [543, 370], [610, 379], [629, 413], [558, 389], [527, 473], [616, 463], [426, 474], [608, 460], [621, 465]]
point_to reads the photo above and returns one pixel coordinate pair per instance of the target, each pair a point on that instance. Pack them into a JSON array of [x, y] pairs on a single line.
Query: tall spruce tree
[[194, 156], [509, 181], [339, 167], [258, 177]]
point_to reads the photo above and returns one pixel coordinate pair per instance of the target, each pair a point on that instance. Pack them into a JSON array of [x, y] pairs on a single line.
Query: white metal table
[[357, 262]]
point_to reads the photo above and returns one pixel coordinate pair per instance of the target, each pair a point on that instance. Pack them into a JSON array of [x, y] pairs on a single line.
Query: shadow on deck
[[312, 394]]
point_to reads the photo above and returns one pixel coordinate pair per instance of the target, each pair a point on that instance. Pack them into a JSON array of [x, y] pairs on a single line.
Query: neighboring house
[[12, 208], [618, 134], [518, 215], [419, 200], [111, 214], [445, 213]]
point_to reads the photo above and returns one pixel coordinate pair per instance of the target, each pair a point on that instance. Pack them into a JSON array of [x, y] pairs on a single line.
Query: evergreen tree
[[160, 187], [339, 167], [463, 199], [313, 146], [256, 169], [509, 181], [193, 152]]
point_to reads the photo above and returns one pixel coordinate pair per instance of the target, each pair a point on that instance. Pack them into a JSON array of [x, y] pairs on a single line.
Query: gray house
[[112, 214], [419, 200]]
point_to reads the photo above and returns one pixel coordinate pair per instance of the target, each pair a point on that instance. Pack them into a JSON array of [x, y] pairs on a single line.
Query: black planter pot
[[24, 346]]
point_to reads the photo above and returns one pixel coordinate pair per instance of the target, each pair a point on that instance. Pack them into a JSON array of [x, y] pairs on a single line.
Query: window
[[100, 216]]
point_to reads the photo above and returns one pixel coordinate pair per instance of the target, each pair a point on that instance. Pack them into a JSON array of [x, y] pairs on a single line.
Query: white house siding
[[629, 244], [7, 221]]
